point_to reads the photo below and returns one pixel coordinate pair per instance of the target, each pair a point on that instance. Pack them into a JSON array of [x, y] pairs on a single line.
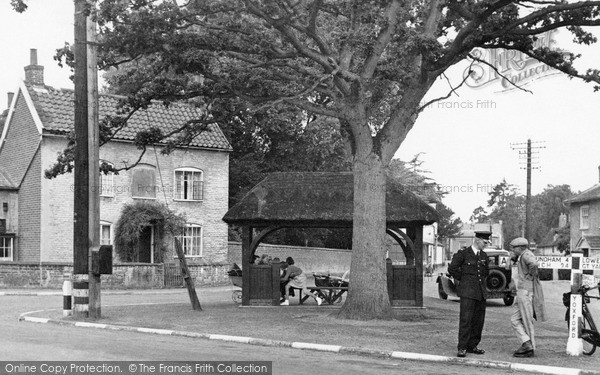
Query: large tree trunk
[[368, 295]]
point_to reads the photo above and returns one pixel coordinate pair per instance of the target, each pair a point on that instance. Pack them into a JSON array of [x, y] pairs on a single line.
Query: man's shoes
[[476, 350], [462, 353], [319, 301], [523, 355], [526, 350], [285, 303]]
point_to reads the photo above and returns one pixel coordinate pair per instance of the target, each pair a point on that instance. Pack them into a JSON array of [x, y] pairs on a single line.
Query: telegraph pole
[[528, 153], [86, 285]]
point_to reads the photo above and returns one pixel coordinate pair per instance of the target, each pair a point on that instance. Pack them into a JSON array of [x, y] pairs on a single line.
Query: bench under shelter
[[325, 200]]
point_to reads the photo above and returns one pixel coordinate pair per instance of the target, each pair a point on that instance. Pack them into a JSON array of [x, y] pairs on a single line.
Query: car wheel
[[441, 292], [508, 300], [495, 281]]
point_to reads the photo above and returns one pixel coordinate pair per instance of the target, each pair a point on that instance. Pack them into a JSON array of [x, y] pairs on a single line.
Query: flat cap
[[519, 241]]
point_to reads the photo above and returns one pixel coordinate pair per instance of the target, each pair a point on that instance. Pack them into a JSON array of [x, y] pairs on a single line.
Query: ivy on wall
[[138, 215]]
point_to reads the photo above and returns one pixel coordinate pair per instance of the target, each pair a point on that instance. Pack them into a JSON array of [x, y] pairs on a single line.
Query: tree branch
[[452, 90], [382, 41], [474, 58]]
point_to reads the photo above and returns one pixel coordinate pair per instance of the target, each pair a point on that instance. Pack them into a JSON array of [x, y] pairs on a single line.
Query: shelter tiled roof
[[590, 194], [55, 108], [320, 198]]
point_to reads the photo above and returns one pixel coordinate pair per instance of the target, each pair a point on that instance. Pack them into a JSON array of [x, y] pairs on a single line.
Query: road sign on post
[[574, 343], [576, 263]]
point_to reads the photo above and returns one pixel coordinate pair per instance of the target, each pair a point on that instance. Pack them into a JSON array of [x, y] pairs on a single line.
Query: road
[[44, 342]]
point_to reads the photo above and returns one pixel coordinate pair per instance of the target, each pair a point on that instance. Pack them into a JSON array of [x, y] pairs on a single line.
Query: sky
[[468, 142]]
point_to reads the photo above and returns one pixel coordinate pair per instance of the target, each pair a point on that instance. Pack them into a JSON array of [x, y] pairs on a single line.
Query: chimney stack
[[562, 220], [34, 73], [10, 98]]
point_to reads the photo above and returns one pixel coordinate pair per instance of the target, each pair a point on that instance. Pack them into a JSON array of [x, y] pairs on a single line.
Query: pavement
[[422, 330]]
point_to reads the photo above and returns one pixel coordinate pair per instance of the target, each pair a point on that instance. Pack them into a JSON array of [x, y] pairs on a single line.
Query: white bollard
[[67, 298]]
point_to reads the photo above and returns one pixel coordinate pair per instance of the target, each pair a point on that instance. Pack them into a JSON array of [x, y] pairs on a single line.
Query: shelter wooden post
[[389, 272], [276, 282], [246, 258], [416, 234]]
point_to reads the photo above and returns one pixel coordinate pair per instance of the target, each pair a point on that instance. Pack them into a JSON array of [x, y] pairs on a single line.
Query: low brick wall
[[125, 275]]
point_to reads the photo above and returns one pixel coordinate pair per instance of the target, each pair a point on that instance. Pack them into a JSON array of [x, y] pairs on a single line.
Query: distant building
[[549, 244], [468, 234], [584, 209]]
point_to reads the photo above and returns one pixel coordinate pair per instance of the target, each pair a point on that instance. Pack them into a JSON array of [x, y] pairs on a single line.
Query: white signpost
[[576, 263]]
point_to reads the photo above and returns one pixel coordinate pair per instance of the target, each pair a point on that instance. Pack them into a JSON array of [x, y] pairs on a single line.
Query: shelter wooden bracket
[[263, 233], [408, 248]]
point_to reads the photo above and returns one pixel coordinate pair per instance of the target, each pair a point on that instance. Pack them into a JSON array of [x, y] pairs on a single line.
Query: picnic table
[[330, 294], [329, 288]]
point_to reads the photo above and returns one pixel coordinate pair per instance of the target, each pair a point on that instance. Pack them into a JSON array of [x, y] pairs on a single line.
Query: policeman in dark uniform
[[469, 268]]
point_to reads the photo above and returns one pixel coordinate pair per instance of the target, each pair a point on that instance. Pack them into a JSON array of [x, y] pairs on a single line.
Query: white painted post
[[67, 298], [574, 343]]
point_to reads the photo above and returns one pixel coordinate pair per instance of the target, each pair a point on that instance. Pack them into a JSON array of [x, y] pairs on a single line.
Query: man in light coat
[[530, 297]]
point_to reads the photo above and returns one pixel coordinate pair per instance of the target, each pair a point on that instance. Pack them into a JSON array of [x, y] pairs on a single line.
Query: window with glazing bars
[[188, 185]]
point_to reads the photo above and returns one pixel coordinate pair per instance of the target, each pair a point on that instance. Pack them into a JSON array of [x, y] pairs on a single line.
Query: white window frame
[[188, 238], [104, 224], [107, 183], [186, 193], [10, 248], [584, 217]]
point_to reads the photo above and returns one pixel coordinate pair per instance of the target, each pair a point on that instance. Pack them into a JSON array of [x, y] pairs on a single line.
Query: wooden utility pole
[[86, 192], [525, 152]]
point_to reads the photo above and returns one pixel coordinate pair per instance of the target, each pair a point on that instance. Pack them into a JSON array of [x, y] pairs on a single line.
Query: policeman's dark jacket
[[471, 270]]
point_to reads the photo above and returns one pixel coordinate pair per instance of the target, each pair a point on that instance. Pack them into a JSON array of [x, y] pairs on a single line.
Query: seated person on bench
[[297, 279], [283, 266]]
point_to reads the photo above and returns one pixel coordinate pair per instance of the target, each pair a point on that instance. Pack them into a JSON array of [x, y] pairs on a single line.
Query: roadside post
[[67, 298], [574, 343], [577, 263]]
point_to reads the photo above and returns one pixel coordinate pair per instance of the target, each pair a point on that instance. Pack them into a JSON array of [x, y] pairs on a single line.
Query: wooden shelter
[[325, 200]]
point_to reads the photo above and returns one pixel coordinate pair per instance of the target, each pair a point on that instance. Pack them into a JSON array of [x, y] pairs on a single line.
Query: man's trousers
[[472, 317]]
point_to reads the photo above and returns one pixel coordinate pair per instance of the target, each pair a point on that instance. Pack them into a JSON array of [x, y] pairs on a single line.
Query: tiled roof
[[590, 194], [326, 198], [593, 241], [3, 116], [55, 108], [549, 239], [5, 182]]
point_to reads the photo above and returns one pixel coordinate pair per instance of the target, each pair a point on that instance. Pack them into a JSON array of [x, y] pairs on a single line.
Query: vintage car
[[499, 282]]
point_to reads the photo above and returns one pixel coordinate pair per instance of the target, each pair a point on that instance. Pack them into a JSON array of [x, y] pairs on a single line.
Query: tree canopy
[[508, 205]]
